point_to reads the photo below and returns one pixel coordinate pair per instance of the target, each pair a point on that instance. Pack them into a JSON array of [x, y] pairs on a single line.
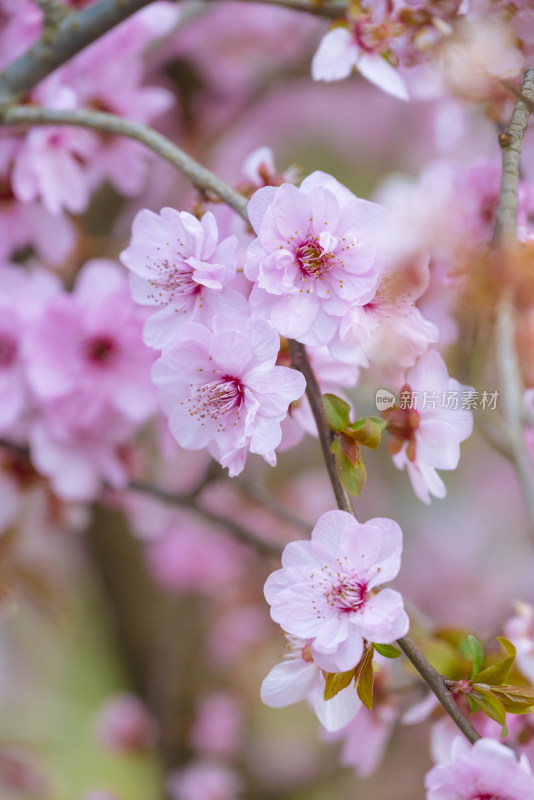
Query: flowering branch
[[200, 177], [433, 679], [505, 237]]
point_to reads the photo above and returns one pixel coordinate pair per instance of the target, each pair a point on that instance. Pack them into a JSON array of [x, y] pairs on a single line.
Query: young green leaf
[[364, 677], [366, 432], [477, 654], [497, 673], [489, 704], [336, 681], [387, 650], [337, 412], [352, 477]]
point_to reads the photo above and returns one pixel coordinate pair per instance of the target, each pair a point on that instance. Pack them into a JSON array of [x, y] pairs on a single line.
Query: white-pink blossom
[[297, 677], [339, 54], [486, 770], [177, 262], [428, 426], [222, 390], [316, 255], [325, 590], [124, 725]]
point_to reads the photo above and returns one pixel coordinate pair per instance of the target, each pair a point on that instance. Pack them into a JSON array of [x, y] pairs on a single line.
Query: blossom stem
[[200, 177], [300, 361], [505, 238]]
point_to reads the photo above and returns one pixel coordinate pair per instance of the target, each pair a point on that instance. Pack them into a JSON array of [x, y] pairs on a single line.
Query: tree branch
[[76, 31], [328, 10], [300, 361], [200, 177], [438, 685], [265, 546], [505, 238]]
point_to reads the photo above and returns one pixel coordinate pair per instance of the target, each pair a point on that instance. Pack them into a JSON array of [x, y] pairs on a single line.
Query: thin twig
[[300, 361], [200, 177], [76, 31], [263, 496], [505, 239], [328, 10], [438, 685], [238, 531]]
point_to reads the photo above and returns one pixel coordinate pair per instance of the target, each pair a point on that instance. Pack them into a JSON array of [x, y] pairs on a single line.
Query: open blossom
[[316, 255], [87, 344], [222, 390], [325, 590], [297, 677], [427, 427], [177, 262], [389, 333], [340, 53], [486, 770]]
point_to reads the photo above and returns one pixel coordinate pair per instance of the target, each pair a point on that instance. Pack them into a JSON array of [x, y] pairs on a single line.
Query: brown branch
[[328, 10], [200, 177], [300, 361], [438, 684], [239, 532], [76, 31], [505, 238]]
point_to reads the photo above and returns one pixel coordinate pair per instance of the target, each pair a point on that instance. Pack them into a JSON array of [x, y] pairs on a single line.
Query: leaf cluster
[[350, 437], [362, 675]]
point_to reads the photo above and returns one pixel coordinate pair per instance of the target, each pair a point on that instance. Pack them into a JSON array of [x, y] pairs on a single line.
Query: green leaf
[[507, 645], [472, 704], [477, 654], [387, 650], [366, 432], [364, 677], [352, 477], [489, 704], [336, 681], [497, 673], [337, 412]]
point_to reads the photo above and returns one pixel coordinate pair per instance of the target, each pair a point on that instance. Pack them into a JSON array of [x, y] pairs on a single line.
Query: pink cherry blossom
[[520, 630], [297, 677], [125, 726], [28, 224], [429, 425], [51, 162], [178, 262], [222, 390], [316, 256], [339, 53], [389, 332], [78, 452], [486, 769], [88, 344], [324, 591]]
